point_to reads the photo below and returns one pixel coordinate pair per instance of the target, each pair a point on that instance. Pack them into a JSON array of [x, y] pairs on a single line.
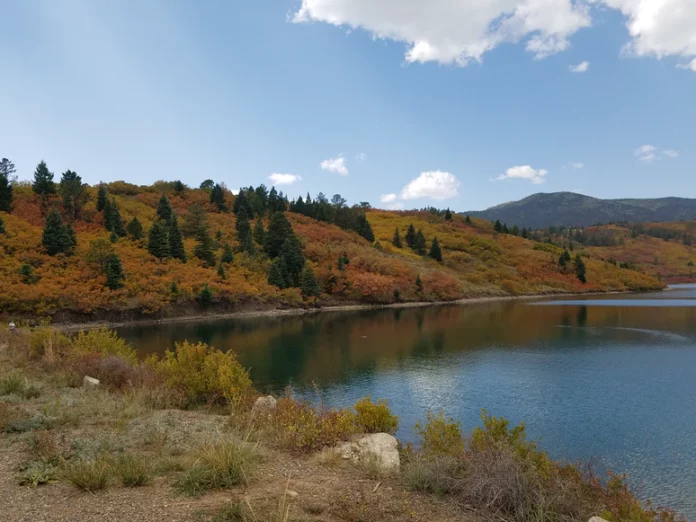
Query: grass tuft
[[132, 471], [88, 475]]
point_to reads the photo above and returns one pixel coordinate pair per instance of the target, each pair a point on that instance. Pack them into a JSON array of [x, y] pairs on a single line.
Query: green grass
[[88, 475], [132, 470]]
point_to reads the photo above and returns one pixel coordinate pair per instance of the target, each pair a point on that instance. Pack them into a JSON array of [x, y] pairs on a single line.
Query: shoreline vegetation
[[186, 437]]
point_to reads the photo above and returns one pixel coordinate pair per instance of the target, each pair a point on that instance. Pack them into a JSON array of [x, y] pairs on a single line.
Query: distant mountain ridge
[[570, 209]]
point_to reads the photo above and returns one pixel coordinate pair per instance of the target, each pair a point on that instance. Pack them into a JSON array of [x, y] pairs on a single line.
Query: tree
[[294, 260], [56, 238], [158, 240], [363, 228], [221, 271], [112, 218], [205, 296], [498, 226], [580, 270], [411, 236], [176, 242], [217, 197], [276, 273], [135, 229], [435, 251], [73, 192], [227, 255], [28, 275], [43, 180], [244, 231], [72, 236], [208, 184], [467, 220], [308, 283], [396, 240], [7, 168], [164, 209], [114, 272], [564, 259], [204, 248], [195, 221], [275, 202], [259, 232], [419, 244], [448, 215], [261, 200], [99, 251], [279, 229], [179, 187], [419, 284], [102, 197], [241, 201], [2, 226]]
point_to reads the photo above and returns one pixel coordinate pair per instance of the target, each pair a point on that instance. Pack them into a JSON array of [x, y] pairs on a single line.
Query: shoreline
[[282, 312]]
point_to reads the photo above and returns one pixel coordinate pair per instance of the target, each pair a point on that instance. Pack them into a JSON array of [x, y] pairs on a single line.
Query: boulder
[[264, 406], [89, 382], [380, 445]]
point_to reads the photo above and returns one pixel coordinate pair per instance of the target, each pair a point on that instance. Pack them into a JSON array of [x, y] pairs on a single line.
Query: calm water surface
[[611, 377]]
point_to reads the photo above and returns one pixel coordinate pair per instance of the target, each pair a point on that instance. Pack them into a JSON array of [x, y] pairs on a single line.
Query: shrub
[[104, 342], [15, 384], [133, 471], [48, 344], [88, 475], [38, 473], [219, 466], [440, 435], [375, 418], [111, 370], [205, 374]]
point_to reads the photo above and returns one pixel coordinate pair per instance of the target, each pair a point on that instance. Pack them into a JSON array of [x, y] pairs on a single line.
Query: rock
[[381, 445], [264, 405], [597, 519], [89, 382], [292, 494]]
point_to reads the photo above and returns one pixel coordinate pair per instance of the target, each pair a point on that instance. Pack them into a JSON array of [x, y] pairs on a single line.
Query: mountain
[[570, 209]]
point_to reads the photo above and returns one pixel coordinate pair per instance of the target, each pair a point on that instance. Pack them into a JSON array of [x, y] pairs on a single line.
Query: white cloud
[[337, 165], [671, 153], [689, 66], [434, 184], [646, 153], [456, 31], [580, 68], [525, 172], [577, 165], [459, 31], [361, 156], [388, 198], [284, 179]]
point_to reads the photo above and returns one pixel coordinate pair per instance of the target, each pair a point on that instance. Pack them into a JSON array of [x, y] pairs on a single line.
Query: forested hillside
[[125, 251]]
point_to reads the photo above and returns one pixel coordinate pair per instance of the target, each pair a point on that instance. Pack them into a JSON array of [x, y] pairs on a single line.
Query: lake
[[611, 377]]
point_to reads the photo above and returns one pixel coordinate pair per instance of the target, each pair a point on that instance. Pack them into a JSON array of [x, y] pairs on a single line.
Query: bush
[[88, 475], [38, 473], [103, 342], [375, 418], [111, 370], [48, 344], [219, 466], [205, 374], [133, 471], [440, 435], [15, 384]]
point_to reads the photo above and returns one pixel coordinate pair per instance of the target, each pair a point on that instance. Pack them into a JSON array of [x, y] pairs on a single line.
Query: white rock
[[90, 382], [597, 519], [264, 405], [292, 494], [381, 445]]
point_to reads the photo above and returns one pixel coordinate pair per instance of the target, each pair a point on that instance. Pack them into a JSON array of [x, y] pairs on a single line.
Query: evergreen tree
[[259, 232], [205, 296], [276, 273], [217, 197], [102, 197], [498, 226], [448, 215], [396, 240], [7, 168], [204, 248], [115, 219], [564, 259], [275, 202], [294, 260], [221, 271], [411, 236], [515, 230], [243, 202], [73, 192], [179, 187], [56, 238], [363, 228], [467, 220], [343, 262], [244, 231], [308, 283], [2, 226], [28, 275], [176, 242], [419, 284], [195, 221], [135, 229], [158, 240], [525, 234], [114, 272], [108, 216], [72, 236], [279, 230], [580, 270], [227, 255], [435, 251], [43, 180], [419, 244], [506, 230], [164, 209], [113, 237], [208, 184]]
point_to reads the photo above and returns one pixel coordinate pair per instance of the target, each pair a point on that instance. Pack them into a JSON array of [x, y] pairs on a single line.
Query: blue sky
[[400, 103]]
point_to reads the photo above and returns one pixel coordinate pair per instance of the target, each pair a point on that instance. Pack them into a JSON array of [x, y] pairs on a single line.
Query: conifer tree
[[396, 240], [217, 197], [194, 221], [73, 192], [204, 248], [580, 270], [276, 273], [176, 242], [108, 216], [467, 220], [364, 229], [102, 197], [115, 219], [419, 284], [43, 180], [243, 202], [419, 244], [114, 272], [308, 283], [72, 236], [227, 255], [56, 238], [244, 231], [158, 240], [113, 237], [448, 215], [411, 236], [278, 231], [294, 260], [135, 229], [2, 226], [179, 187], [435, 252], [259, 232], [7, 168], [221, 271], [205, 296], [164, 209], [498, 226]]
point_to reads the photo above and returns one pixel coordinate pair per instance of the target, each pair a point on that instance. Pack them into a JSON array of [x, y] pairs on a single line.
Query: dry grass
[[88, 475], [329, 458], [133, 470]]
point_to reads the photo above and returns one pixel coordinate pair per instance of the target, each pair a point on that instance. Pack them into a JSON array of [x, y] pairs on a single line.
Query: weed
[[38, 473], [88, 475], [330, 457], [15, 384], [371, 466], [133, 471]]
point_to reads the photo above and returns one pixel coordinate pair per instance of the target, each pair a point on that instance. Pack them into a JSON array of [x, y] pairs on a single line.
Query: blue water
[[611, 377]]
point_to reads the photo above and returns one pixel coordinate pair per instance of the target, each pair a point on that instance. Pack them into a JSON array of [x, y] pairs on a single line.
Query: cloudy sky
[[402, 103]]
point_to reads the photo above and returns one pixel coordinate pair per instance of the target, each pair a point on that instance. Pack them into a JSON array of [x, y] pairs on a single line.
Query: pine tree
[[7, 168], [208, 184], [102, 197], [204, 248], [244, 231], [73, 192], [164, 209], [227, 255], [276, 273], [279, 230], [411, 236], [435, 252], [27, 273], [135, 229], [176, 242], [194, 221], [467, 220], [419, 244], [115, 219], [179, 187], [243, 202], [72, 236], [498, 226], [419, 284], [55, 239], [448, 215], [308, 283], [114, 272], [158, 240], [294, 260], [396, 240], [2, 226], [113, 237], [580, 270], [364, 229], [217, 197], [205, 296], [43, 180], [564, 259], [108, 216], [259, 232], [221, 271]]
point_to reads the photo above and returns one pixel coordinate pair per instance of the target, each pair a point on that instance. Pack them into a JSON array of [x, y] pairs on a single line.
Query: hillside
[[115, 276], [570, 209]]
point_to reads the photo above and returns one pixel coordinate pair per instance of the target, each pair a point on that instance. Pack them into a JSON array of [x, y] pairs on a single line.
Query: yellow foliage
[[104, 342], [375, 418]]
